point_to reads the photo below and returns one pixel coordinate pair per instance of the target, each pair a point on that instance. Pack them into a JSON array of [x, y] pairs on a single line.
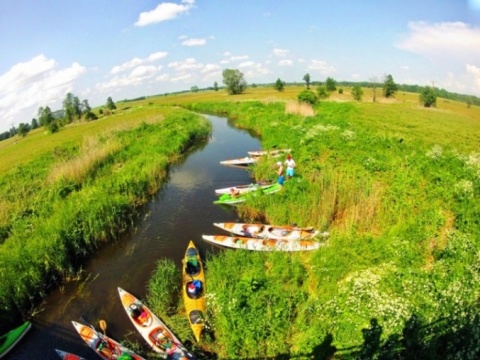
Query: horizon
[[100, 50]]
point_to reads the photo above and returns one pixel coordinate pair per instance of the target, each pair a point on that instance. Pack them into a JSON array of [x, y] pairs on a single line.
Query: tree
[[428, 97], [357, 92], [307, 96], [194, 88], [306, 78], [34, 124], [215, 86], [71, 108], [279, 85], [330, 84], [23, 129], [45, 116], [234, 81], [110, 104], [374, 81], [389, 87]]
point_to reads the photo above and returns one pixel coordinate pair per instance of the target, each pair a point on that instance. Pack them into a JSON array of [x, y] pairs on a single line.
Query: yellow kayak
[[193, 289]]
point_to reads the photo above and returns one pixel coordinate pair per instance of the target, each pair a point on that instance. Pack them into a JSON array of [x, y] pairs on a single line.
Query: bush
[[307, 96]]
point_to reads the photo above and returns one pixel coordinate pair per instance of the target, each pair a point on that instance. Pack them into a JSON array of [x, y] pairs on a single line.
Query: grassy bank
[[66, 193], [396, 185]]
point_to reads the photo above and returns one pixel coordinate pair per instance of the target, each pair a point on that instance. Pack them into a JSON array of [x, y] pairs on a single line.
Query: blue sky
[[131, 48]]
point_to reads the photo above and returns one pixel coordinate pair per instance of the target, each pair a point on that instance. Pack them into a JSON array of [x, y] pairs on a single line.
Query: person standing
[[290, 163], [280, 173]]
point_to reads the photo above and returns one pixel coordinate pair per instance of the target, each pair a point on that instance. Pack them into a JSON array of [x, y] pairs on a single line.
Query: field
[[396, 186]]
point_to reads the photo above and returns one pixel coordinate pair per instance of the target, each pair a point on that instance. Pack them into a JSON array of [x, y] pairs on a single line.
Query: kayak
[[273, 152], [194, 279], [11, 338], [68, 356], [239, 242], [104, 346], [268, 231], [241, 189], [248, 160], [228, 199], [153, 330]]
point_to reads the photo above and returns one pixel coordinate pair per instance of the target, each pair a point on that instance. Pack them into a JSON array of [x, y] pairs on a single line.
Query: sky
[[131, 48]]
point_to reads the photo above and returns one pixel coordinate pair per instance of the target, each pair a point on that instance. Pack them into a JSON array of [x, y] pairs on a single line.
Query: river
[[181, 211]]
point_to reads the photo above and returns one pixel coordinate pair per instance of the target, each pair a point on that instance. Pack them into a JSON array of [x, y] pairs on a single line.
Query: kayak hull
[[195, 305], [152, 329], [104, 346], [246, 243], [10, 339], [263, 231]]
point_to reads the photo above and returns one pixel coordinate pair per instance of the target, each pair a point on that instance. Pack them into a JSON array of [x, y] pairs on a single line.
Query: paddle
[[103, 326]]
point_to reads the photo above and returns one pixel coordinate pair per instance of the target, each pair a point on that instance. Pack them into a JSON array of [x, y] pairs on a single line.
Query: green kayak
[[228, 199], [11, 338]]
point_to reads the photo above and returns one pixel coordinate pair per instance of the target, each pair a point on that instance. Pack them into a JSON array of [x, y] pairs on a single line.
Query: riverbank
[[80, 192]]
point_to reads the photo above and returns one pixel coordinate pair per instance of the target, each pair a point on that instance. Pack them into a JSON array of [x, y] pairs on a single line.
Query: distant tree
[[428, 97], [110, 104], [194, 88], [85, 107], [307, 96], [254, 85], [45, 116], [330, 84], [469, 101], [234, 81], [322, 92], [389, 87], [374, 81], [23, 129], [71, 108], [215, 86], [100, 111], [306, 78], [340, 91], [357, 92], [34, 124], [279, 85], [4, 135]]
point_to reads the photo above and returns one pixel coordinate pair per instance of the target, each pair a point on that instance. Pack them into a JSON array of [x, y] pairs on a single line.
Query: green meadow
[[395, 185]]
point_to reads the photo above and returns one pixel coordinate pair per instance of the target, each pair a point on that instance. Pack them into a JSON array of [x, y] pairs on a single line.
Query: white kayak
[[248, 160], [104, 346], [246, 243], [273, 152], [153, 330], [241, 189], [279, 232]]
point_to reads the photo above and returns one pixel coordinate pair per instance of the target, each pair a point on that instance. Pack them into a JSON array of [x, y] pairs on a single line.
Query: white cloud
[[285, 62], [137, 62], [280, 52], [187, 64], [322, 67], [246, 64], [38, 82], [194, 42], [163, 12], [157, 56], [450, 39]]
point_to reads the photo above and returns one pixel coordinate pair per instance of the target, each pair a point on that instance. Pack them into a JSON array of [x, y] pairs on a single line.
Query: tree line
[[235, 83], [73, 110]]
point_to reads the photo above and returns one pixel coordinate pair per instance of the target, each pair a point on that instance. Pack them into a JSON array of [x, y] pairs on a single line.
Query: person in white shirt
[[290, 163]]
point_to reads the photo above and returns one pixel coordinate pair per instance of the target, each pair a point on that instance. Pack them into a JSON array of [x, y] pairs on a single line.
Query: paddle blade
[[103, 326]]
